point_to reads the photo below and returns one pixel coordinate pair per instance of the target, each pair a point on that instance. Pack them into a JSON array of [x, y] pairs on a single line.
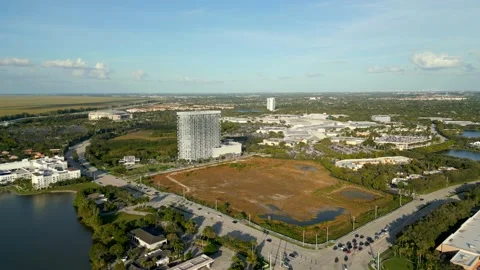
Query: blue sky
[[167, 46]]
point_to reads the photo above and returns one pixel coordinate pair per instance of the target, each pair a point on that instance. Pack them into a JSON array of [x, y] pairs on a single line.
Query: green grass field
[[391, 262], [143, 134], [12, 105], [119, 217], [396, 263]]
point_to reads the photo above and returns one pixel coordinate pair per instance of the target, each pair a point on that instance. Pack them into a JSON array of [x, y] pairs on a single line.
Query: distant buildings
[[475, 144], [271, 104], [404, 142], [109, 114], [464, 244], [42, 172], [355, 164], [198, 135], [460, 123], [129, 160], [381, 118]]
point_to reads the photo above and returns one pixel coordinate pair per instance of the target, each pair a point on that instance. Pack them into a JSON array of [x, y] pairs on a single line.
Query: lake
[[463, 154], [471, 133], [42, 232]]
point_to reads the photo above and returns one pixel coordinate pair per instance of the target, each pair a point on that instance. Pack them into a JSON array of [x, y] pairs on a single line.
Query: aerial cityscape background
[[219, 46]]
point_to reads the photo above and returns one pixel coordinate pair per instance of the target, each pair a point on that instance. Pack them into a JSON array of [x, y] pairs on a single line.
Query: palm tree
[[209, 232]]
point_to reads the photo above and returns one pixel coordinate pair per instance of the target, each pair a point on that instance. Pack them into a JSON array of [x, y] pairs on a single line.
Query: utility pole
[[215, 204], [353, 224], [378, 260], [303, 236], [316, 240], [249, 223], [270, 260], [400, 198], [184, 193], [376, 208], [327, 234]]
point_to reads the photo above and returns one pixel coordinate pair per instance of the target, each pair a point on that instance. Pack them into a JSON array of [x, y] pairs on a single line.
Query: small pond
[[322, 216], [471, 134], [356, 194], [463, 154]]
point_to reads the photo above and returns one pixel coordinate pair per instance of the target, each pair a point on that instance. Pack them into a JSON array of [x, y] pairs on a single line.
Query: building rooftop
[[148, 235], [467, 237], [464, 258], [198, 112], [194, 263]]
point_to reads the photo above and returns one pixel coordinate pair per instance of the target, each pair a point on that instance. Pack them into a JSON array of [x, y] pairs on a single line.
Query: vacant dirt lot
[[257, 186]]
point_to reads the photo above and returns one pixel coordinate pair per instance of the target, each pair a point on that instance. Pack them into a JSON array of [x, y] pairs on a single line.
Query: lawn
[[77, 187], [299, 190], [397, 263], [119, 217], [149, 135], [39, 104]]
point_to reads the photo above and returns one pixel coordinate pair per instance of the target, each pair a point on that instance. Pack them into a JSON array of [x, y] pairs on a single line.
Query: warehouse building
[[109, 114]]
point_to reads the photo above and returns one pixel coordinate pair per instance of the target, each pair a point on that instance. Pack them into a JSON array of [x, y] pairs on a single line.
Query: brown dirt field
[[259, 186]]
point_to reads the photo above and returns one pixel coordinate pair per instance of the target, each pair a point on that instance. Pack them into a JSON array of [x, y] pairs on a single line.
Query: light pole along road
[[275, 247]]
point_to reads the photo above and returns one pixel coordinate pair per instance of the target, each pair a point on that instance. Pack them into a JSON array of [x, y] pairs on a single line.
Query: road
[[274, 248], [433, 129]]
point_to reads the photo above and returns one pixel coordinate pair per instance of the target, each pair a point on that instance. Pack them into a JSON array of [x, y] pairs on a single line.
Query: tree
[[210, 249], [209, 232], [117, 250], [237, 263], [190, 227], [252, 258]]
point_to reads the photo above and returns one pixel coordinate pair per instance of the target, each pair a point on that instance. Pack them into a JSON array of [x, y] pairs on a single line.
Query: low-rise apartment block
[[355, 164], [42, 172]]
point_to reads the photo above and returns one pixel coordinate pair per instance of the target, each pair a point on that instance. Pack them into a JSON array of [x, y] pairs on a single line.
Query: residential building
[[464, 244], [271, 104], [109, 114], [381, 118], [148, 237], [195, 263], [129, 160], [198, 133], [42, 172]]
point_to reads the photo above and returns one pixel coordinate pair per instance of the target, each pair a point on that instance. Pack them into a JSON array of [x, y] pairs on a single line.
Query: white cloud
[[80, 68], [14, 62], [432, 61], [139, 75], [392, 69], [314, 75], [101, 71], [190, 80], [67, 63]]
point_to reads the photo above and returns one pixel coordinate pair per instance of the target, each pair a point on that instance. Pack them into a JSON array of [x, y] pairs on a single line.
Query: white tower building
[[198, 133], [271, 104]]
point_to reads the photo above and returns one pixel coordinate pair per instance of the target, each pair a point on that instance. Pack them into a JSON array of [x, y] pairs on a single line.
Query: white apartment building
[[110, 114], [381, 118], [271, 104], [42, 172], [198, 133]]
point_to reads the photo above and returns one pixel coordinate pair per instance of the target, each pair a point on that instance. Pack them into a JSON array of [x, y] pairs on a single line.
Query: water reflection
[[322, 216]]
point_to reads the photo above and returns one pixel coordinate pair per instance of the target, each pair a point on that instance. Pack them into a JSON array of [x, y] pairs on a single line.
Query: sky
[[167, 46]]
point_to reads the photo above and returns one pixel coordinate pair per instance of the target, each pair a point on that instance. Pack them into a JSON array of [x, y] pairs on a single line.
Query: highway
[[275, 248]]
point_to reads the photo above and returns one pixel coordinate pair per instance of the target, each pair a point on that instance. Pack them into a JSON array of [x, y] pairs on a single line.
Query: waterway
[[42, 232], [471, 133], [464, 154]]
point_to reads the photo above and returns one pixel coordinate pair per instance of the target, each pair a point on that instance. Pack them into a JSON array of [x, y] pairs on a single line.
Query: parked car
[[345, 258], [336, 259]]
